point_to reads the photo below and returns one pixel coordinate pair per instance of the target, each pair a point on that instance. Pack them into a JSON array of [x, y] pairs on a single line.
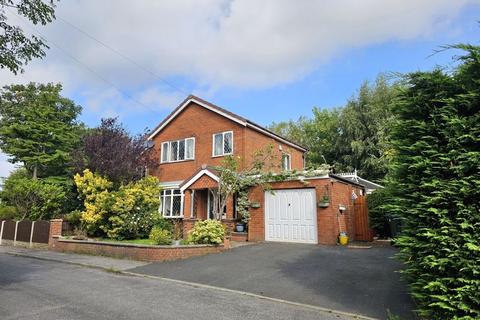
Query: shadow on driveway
[[362, 281]]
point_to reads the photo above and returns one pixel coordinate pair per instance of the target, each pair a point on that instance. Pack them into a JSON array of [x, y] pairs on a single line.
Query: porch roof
[[205, 177]]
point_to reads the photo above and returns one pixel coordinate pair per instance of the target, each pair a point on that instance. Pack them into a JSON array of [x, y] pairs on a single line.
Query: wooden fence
[[363, 232], [24, 233]]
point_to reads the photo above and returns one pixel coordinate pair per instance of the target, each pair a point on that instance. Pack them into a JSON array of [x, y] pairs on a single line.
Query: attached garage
[[291, 215]]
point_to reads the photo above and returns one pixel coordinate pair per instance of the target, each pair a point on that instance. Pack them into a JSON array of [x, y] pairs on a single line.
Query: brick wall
[[200, 123], [129, 251], [327, 218], [135, 252]]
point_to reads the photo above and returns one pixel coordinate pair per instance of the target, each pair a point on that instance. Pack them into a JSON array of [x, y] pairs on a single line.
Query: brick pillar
[[55, 231], [230, 208], [187, 203]]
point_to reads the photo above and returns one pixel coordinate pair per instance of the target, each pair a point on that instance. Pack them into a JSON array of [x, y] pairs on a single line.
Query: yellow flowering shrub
[[127, 213], [207, 232]]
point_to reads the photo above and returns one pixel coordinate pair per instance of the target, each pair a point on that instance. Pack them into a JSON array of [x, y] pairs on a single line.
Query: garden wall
[[128, 251]]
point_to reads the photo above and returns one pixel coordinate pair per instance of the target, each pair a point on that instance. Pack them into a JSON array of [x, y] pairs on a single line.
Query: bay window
[[171, 203]]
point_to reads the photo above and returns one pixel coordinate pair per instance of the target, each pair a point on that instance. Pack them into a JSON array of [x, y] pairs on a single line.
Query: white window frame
[[287, 155], [161, 208], [223, 146], [169, 146]]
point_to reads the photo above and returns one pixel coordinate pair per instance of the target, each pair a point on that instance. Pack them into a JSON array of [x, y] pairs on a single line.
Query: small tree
[[38, 127], [112, 152]]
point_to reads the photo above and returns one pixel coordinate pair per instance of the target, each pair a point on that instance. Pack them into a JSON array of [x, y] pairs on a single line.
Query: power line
[[79, 62], [157, 77]]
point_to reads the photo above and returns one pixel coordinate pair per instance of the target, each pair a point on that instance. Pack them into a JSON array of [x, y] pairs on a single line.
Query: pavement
[[33, 288], [360, 281], [77, 259]]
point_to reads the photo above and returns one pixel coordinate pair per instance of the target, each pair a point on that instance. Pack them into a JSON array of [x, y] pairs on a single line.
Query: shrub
[[33, 199], [436, 179], [127, 213], [160, 236], [74, 218], [207, 232], [377, 213], [8, 212], [165, 224]]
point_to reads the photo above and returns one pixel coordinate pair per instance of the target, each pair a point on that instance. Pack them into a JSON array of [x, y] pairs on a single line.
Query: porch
[[199, 199]]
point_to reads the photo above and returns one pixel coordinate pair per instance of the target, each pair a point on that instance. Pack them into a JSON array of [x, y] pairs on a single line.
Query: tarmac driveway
[[362, 281]]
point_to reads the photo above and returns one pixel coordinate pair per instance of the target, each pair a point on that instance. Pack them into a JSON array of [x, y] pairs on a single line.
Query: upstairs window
[[178, 150], [223, 143], [286, 162]]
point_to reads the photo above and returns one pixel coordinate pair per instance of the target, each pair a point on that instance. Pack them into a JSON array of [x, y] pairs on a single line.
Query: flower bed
[[134, 251]]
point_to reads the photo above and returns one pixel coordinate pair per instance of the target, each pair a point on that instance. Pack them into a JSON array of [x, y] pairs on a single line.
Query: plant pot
[[255, 205], [239, 227], [343, 239], [176, 242], [323, 204]]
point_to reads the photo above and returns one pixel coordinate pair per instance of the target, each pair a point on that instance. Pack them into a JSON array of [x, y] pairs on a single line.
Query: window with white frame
[[171, 203], [178, 150], [223, 143], [286, 162]]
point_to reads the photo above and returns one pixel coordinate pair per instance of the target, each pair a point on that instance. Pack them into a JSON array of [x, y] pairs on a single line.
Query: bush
[[160, 236], [377, 213], [127, 213], [164, 224], [436, 180], [207, 232], [33, 199], [8, 212], [74, 218]]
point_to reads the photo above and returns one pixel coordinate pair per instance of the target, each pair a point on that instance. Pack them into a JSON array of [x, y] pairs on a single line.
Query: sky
[[268, 60]]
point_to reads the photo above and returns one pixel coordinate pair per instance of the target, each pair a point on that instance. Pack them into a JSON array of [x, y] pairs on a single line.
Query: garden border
[[128, 250]]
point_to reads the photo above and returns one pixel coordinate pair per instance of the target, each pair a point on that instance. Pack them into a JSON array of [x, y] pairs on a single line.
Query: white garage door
[[291, 216]]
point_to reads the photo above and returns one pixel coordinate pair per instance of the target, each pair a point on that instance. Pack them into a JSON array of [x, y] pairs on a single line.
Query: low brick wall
[[134, 251]]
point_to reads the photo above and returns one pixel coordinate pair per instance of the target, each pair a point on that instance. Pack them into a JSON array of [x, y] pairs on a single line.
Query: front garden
[[129, 214]]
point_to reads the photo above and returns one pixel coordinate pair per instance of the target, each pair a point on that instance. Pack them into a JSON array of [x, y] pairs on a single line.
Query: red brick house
[[197, 135]]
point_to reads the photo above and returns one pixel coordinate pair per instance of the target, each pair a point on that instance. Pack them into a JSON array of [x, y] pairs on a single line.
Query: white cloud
[[240, 44]]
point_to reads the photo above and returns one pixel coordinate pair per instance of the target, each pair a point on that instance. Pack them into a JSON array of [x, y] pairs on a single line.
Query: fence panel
[[363, 232], [23, 230], [8, 230], [41, 231]]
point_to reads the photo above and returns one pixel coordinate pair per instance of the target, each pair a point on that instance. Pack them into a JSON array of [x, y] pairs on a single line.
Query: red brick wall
[[254, 141], [327, 218], [196, 121], [143, 253]]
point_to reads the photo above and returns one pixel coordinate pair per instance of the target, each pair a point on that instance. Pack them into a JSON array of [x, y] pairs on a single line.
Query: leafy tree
[[352, 137], [436, 183], [110, 151], [364, 124], [33, 199], [16, 48], [38, 127]]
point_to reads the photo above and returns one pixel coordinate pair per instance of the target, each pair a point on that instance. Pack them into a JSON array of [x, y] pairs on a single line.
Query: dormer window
[[223, 143], [178, 150]]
